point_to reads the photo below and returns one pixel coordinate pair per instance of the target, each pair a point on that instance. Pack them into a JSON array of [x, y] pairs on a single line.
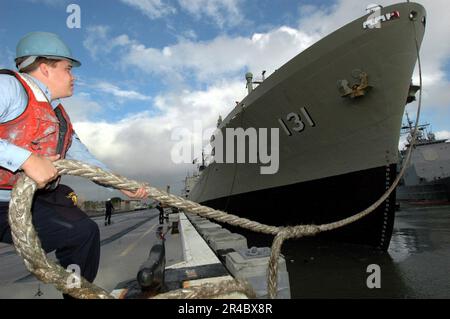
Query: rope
[[236, 287], [28, 244]]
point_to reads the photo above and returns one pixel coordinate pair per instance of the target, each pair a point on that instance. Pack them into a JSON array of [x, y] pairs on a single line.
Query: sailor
[[108, 211], [35, 131], [161, 212]]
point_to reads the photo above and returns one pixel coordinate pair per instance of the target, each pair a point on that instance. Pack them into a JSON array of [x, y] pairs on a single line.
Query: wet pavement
[[416, 264]]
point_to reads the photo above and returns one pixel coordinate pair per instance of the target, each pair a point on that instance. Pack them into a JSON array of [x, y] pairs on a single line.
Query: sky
[[150, 67]]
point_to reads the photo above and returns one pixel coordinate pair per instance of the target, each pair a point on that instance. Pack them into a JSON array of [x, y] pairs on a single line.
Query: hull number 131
[[296, 121]]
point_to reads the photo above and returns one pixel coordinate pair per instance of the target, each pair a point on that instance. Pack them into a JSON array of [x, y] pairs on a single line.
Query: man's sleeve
[[78, 151], [11, 156]]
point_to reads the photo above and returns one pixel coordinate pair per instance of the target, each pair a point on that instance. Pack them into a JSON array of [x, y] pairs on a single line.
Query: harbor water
[[416, 264]]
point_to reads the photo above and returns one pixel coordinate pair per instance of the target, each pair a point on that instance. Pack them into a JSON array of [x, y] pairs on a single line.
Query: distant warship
[[338, 106], [427, 177]]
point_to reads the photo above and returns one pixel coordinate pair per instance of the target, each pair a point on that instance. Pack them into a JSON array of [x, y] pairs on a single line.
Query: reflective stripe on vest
[[37, 129]]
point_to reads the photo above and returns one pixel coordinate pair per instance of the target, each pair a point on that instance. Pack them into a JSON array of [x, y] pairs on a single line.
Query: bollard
[[151, 273]]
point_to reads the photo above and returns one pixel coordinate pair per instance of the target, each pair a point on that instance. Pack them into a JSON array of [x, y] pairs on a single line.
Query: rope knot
[[310, 230]]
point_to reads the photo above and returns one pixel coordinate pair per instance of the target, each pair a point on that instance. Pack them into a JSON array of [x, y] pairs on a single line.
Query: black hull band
[[319, 202]]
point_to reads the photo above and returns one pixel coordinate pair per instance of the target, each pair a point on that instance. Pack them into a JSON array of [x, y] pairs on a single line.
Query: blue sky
[[149, 66], [163, 23]]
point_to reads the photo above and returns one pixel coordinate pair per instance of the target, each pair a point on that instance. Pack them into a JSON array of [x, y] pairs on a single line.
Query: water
[[416, 264]]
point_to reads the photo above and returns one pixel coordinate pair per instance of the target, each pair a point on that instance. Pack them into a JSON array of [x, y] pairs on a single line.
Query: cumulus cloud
[[443, 135], [81, 107], [140, 145], [225, 56], [120, 93], [188, 34], [222, 56], [435, 55], [222, 12], [98, 41], [151, 8]]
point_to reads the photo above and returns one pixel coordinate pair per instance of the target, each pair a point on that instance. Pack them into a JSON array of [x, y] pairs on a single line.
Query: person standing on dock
[[109, 208], [35, 131], [161, 212]]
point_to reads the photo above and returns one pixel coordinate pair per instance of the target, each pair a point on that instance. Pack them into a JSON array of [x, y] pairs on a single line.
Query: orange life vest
[[40, 128]]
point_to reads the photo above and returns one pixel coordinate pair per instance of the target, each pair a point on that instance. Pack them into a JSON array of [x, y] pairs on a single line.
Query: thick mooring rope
[[29, 246], [235, 288]]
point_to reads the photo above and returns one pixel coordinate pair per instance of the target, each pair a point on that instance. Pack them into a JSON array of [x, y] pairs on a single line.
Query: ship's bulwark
[[335, 165]]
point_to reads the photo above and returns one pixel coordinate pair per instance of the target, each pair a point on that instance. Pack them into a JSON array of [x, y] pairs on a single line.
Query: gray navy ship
[[427, 176], [338, 106]]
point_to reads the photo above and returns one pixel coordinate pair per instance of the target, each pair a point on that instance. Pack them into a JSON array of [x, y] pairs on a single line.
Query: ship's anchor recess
[[357, 89]]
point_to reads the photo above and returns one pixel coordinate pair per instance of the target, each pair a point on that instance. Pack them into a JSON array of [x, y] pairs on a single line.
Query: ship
[[427, 175], [338, 107], [189, 183], [191, 180]]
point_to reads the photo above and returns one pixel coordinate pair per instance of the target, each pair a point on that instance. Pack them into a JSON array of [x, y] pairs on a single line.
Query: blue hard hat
[[44, 44]]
